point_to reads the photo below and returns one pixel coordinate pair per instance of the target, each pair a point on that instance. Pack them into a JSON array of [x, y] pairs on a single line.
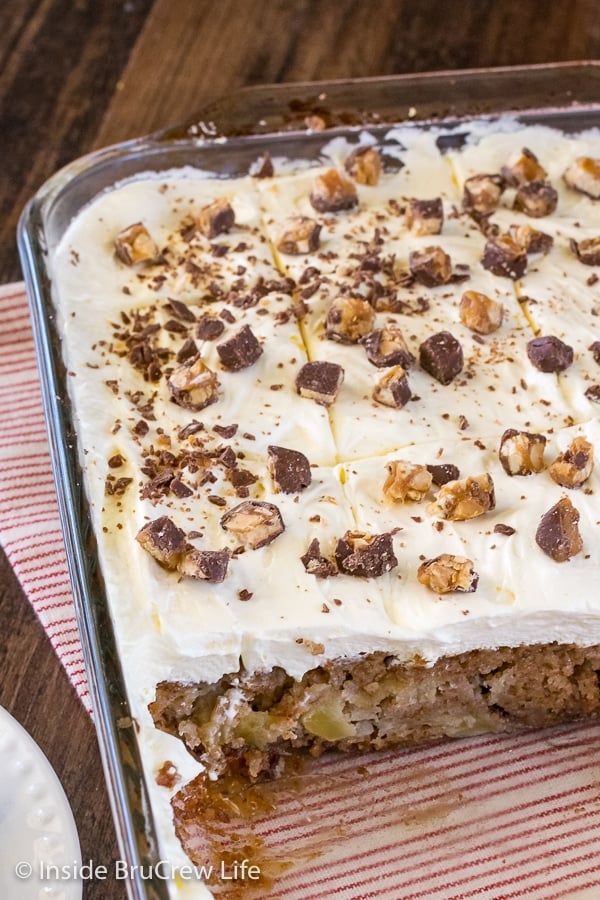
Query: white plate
[[37, 829]]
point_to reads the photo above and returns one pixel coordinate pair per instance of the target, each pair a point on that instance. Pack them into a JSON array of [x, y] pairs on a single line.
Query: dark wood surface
[[77, 74]]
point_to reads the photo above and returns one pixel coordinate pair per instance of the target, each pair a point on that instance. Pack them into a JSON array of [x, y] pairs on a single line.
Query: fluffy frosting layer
[[270, 610]]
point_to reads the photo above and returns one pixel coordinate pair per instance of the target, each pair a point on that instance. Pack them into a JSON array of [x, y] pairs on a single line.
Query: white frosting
[[187, 630]]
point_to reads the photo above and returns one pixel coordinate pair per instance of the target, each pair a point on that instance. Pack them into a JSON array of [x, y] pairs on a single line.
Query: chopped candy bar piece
[[536, 199], [320, 380], [163, 540], [255, 523], [365, 555], [299, 235], [364, 165], [441, 356], [480, 313], [386, 347], [406, 481], [425, 217], [549, 353], [587, 251], [349, 319], [521, 453], [583, 175], [448, 573], [205, 565], [216, 218], [573, 467], [522, 167], [393, 388], [467, 499], [317, 564], [331, 192], [482, 193], [502, 256], [558, 532], [430, 266], [134, 245], [193, 385], [240, 351], [289, 469]]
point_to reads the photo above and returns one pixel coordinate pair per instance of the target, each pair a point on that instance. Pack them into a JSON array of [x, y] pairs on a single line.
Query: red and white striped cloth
[[30, 531], [493, 818]]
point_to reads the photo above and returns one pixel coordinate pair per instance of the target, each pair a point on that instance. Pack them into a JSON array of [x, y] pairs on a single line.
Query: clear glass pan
[[566, 96]]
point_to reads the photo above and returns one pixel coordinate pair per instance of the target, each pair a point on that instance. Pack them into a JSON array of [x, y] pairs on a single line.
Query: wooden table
[[77, 75]]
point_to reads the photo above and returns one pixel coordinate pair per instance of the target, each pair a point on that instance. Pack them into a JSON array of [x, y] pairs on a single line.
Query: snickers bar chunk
[[240, 351], [522, 167], [316, 564], [549, 354], [365, 555], [441, 356], [532, 240], [255, 523], [193, 385], [480, 313], [558, 532], [393, 388], [364, 165], [587, 251], [504, 257], [386, 347], [482, 194], [205, 565], [431, 266], [425, 217], [536, 199], [349, 319], [448, 573], [299, 235], [163, 540], [331, 192], [135, 245], [289, 469], [320, 381], [583, 175], [215, 218]]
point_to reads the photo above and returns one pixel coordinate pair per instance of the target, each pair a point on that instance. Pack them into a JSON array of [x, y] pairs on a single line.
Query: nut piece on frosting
[[331, 192], [583, 175], [504, 257], [530, 239], [299, 235], [216, 218], [320, 381], [163, 540], [254, 522], [393, 388], [430, 266], [289, 469], [240, 351], [482, 193], [364, 165], [134, 245], [480, 313], [205, 565], [441, 356], [425, 217], [587, 251], [386, 347], [549, 354], [521, 167], [349, 319], [365, 555], [447, 573], [465, 499], [193, 385], [315, 563], [558, 532], [572, 468], [536, 199], [406, 481], [521, 453]]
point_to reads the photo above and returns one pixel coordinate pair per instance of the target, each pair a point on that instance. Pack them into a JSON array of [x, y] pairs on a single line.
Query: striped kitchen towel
[[29, 526], [492, 818]]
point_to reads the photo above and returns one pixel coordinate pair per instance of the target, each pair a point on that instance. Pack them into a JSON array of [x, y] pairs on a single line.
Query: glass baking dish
[[226, 138]]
